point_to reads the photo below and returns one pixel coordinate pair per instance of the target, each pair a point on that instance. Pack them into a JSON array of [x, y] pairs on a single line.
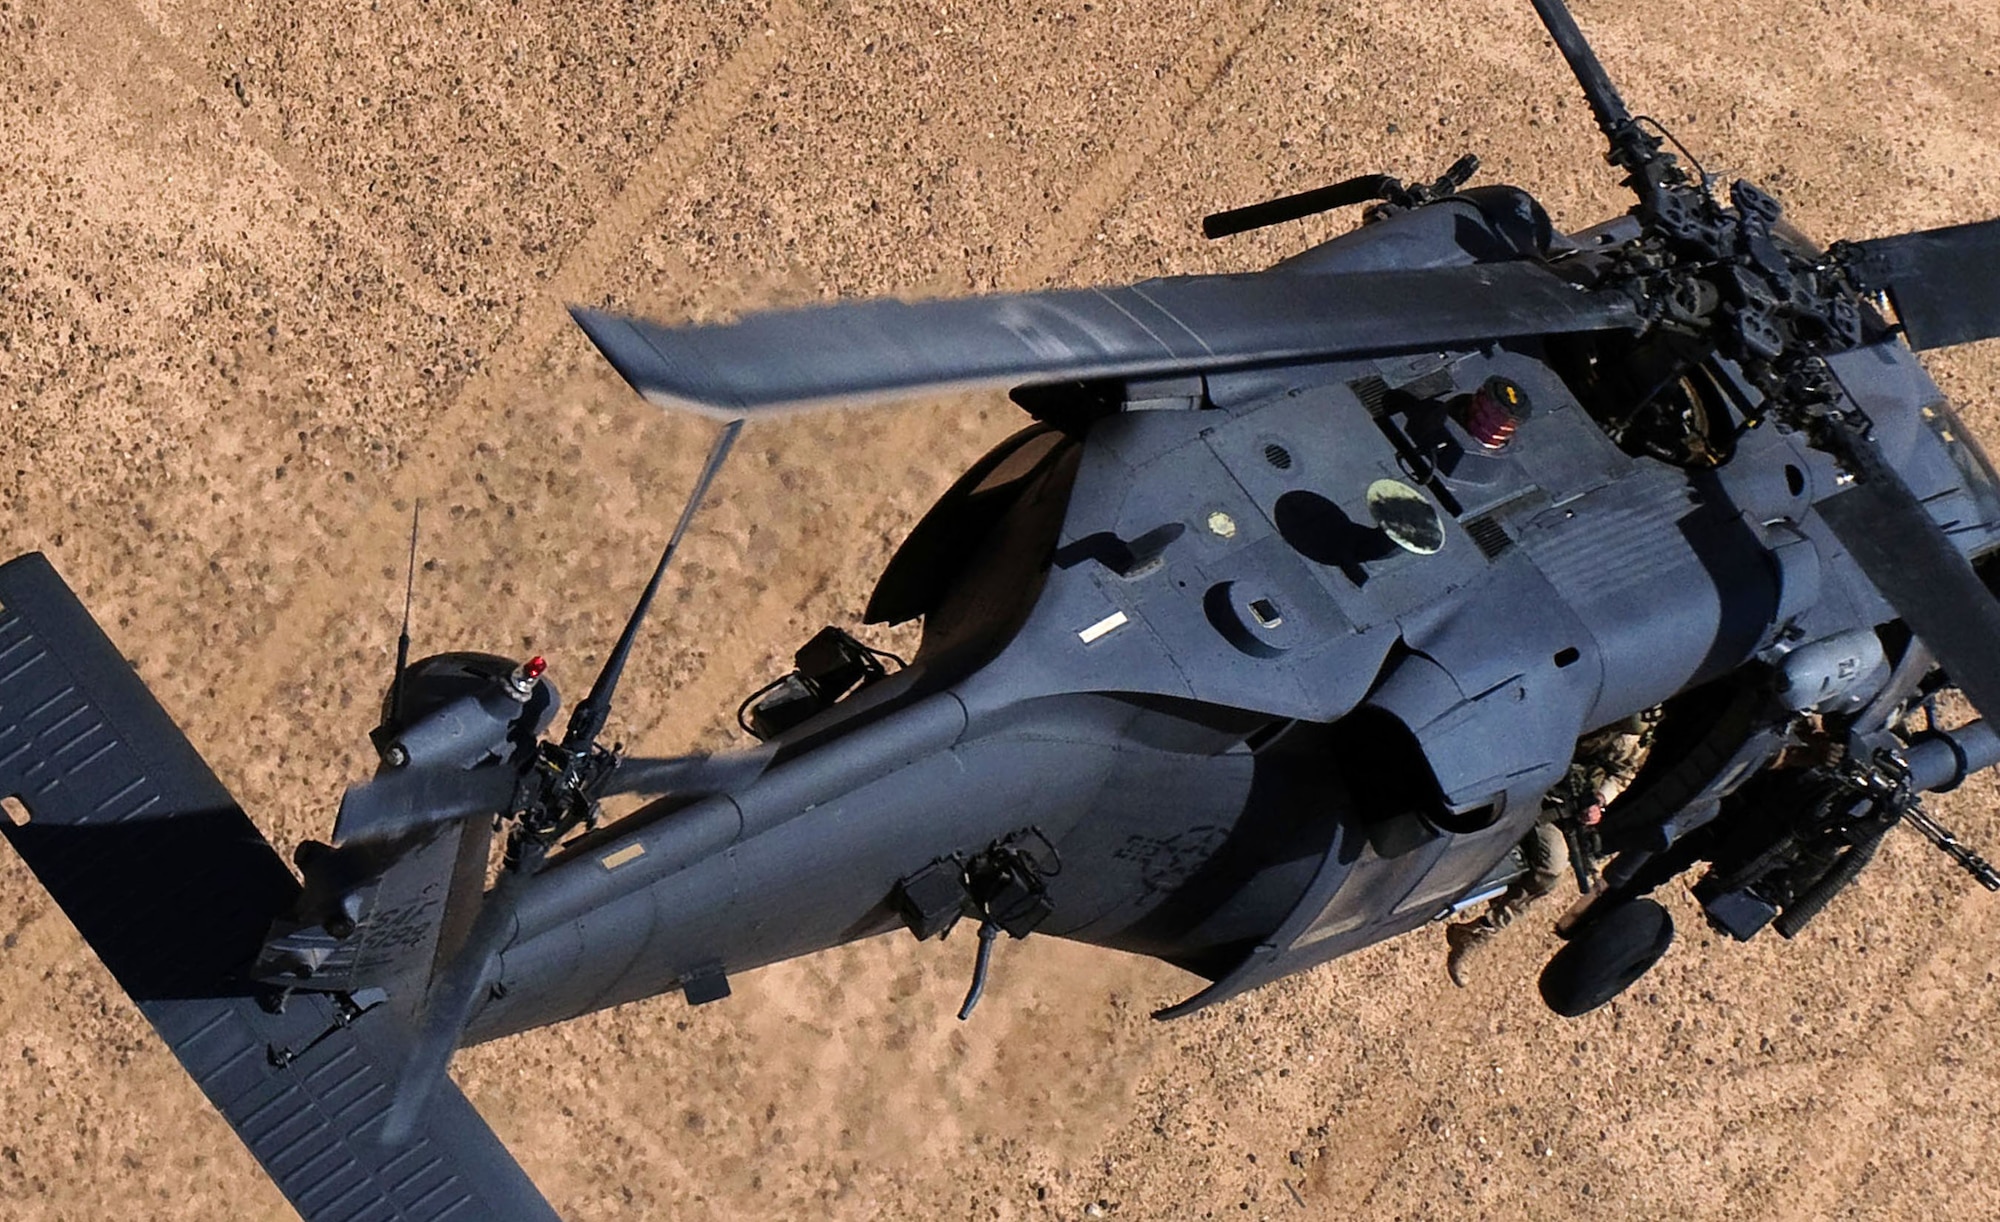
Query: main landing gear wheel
[[1606, 956]]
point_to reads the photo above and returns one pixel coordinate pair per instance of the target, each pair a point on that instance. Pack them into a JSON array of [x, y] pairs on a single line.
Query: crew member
[[1606, 761]]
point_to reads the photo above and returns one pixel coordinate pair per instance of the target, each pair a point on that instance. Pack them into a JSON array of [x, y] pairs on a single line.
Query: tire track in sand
[[113, 34], [1935, 996], [116, 28], [585, 270], [1853, 1093], [1111, 180], [541, 313]]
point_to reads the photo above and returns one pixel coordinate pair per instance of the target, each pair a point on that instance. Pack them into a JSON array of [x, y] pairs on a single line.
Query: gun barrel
[[1942, 838]]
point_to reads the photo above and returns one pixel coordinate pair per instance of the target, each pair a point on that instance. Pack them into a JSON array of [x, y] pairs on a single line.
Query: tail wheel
[[1606, 957]]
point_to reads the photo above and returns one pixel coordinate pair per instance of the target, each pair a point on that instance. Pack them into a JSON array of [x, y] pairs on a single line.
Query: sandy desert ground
[[269, 270]]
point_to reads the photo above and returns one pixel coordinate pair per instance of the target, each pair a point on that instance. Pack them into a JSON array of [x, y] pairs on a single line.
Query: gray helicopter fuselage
[[1257, 732], [1268, 640]]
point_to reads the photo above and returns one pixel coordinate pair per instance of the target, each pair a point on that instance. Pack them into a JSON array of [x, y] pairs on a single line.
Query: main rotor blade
[[1908, 557], [1945, 282], [871, 350]]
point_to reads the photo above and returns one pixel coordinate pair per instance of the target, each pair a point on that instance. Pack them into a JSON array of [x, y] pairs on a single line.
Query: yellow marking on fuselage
[[631, 852]]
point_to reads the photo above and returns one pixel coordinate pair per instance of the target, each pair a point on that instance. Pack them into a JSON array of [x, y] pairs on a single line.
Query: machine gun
[[1800, 839]]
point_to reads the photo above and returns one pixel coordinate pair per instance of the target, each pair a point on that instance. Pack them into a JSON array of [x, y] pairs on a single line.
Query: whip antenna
[[403, 639]]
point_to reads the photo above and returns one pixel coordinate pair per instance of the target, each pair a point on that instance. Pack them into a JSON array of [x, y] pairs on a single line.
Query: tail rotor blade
[[588, 719], [453, 999], [407, 799], [1605, 103]]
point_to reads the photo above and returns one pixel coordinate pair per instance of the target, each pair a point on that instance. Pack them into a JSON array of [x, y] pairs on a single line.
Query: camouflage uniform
[[1605, 763]]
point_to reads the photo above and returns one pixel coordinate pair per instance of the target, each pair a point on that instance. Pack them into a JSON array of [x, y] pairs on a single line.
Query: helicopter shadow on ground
[[175, 907]]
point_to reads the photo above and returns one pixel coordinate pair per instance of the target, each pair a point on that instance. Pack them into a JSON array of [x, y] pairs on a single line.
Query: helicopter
[[1262, 643]]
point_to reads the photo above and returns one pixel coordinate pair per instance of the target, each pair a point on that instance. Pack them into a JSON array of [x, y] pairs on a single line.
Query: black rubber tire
[[1606, 957]]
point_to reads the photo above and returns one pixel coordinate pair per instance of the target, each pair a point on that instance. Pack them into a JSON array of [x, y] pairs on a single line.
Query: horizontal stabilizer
[[858, 351], [174, 888], [1945, 282]]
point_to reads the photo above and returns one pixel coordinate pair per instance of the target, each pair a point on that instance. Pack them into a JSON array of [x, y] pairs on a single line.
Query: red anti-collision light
[[1496, 410], [534, 667]]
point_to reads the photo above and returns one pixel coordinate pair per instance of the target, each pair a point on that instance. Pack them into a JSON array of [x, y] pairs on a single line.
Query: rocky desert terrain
[[269, 270]]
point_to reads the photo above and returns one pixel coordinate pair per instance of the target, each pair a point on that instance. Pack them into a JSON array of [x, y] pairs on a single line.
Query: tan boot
[[1464, 941]]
